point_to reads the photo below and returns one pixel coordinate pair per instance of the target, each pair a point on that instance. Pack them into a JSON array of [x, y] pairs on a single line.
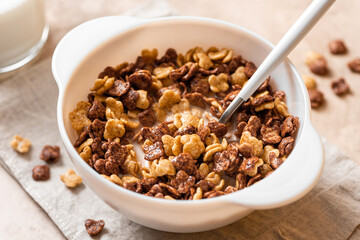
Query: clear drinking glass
[[23, 32]]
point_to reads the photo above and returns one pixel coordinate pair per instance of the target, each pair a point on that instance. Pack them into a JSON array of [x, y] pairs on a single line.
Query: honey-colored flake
[[156, 84], [218, 55], [85, 144], [162, 167], [256, 143], [169, 98], [102, 85], [193, 145], [78, 117], [219, 83], [204, 169], [211, 139], [265, 106], [114, 108], [86, 154], [211, 150], [162, 72], [160, 112], [213, 177], [239, 77], [128, 123], [203, 60], [168, 142], [20, 144], [310, 82], [114, 128], [129, 179], [220, 185], [177, 147], [70, 178], [149, 56], [143, 101], [281, 107], [198, 194], [182, 106], [185, 119]]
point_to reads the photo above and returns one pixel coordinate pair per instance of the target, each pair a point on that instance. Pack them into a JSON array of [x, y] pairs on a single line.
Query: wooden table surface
[[338, 120]]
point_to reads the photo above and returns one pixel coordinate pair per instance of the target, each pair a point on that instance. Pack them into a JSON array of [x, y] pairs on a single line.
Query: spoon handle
[[288, 42]]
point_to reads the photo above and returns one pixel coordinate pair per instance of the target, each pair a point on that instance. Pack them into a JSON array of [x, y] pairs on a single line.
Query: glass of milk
[[23, 32]]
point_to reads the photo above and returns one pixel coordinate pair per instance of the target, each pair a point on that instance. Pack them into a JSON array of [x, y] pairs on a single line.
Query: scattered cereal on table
[[316, 98], [340, 86], [354, 65], [70, 178], [94, 227], [310, 82], [50, 153], [41, 172], [317, 63], [20, 144], [337, 47]]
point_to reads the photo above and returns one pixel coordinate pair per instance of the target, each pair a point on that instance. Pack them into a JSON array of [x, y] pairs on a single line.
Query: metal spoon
[[288, 42]]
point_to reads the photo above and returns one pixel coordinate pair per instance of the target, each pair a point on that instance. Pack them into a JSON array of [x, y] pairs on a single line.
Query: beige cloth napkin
[[28, 107]]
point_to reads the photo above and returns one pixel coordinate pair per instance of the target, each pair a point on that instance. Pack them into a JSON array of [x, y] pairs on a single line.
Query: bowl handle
[[78, 43], [287, 184]]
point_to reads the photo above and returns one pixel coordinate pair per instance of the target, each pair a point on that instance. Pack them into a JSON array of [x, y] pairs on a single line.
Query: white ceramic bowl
[[89, 48]]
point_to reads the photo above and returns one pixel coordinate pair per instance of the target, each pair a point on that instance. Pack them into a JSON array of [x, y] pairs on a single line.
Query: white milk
[[22, 23]]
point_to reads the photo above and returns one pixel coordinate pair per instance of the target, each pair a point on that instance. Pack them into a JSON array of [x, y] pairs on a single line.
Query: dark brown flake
[[133, 186], [153, 152], [50, 153], [354, 65], [117, 152], [130, 98], [289, 126], [182, 182], [110, 72], [184, 162], [119, 88], [337, 47], [316, 98], [254, 179], [147, 117], [271, 131], [96, 111], [285, 146], [196, 99], [319, 66], [217, 128], [186, 130], [94, 227], [41, 173], [200, 85], [250, 69], [253, 126], [140, 79], [340, 86]]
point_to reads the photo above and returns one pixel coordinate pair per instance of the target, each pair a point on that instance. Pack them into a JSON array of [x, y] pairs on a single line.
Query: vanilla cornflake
[[20, 144], [70, 178]]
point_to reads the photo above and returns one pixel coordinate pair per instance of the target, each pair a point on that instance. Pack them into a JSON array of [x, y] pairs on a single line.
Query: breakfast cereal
[[152, 126]]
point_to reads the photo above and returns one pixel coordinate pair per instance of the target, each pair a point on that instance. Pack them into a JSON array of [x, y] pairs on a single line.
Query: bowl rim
[[141, 23]]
